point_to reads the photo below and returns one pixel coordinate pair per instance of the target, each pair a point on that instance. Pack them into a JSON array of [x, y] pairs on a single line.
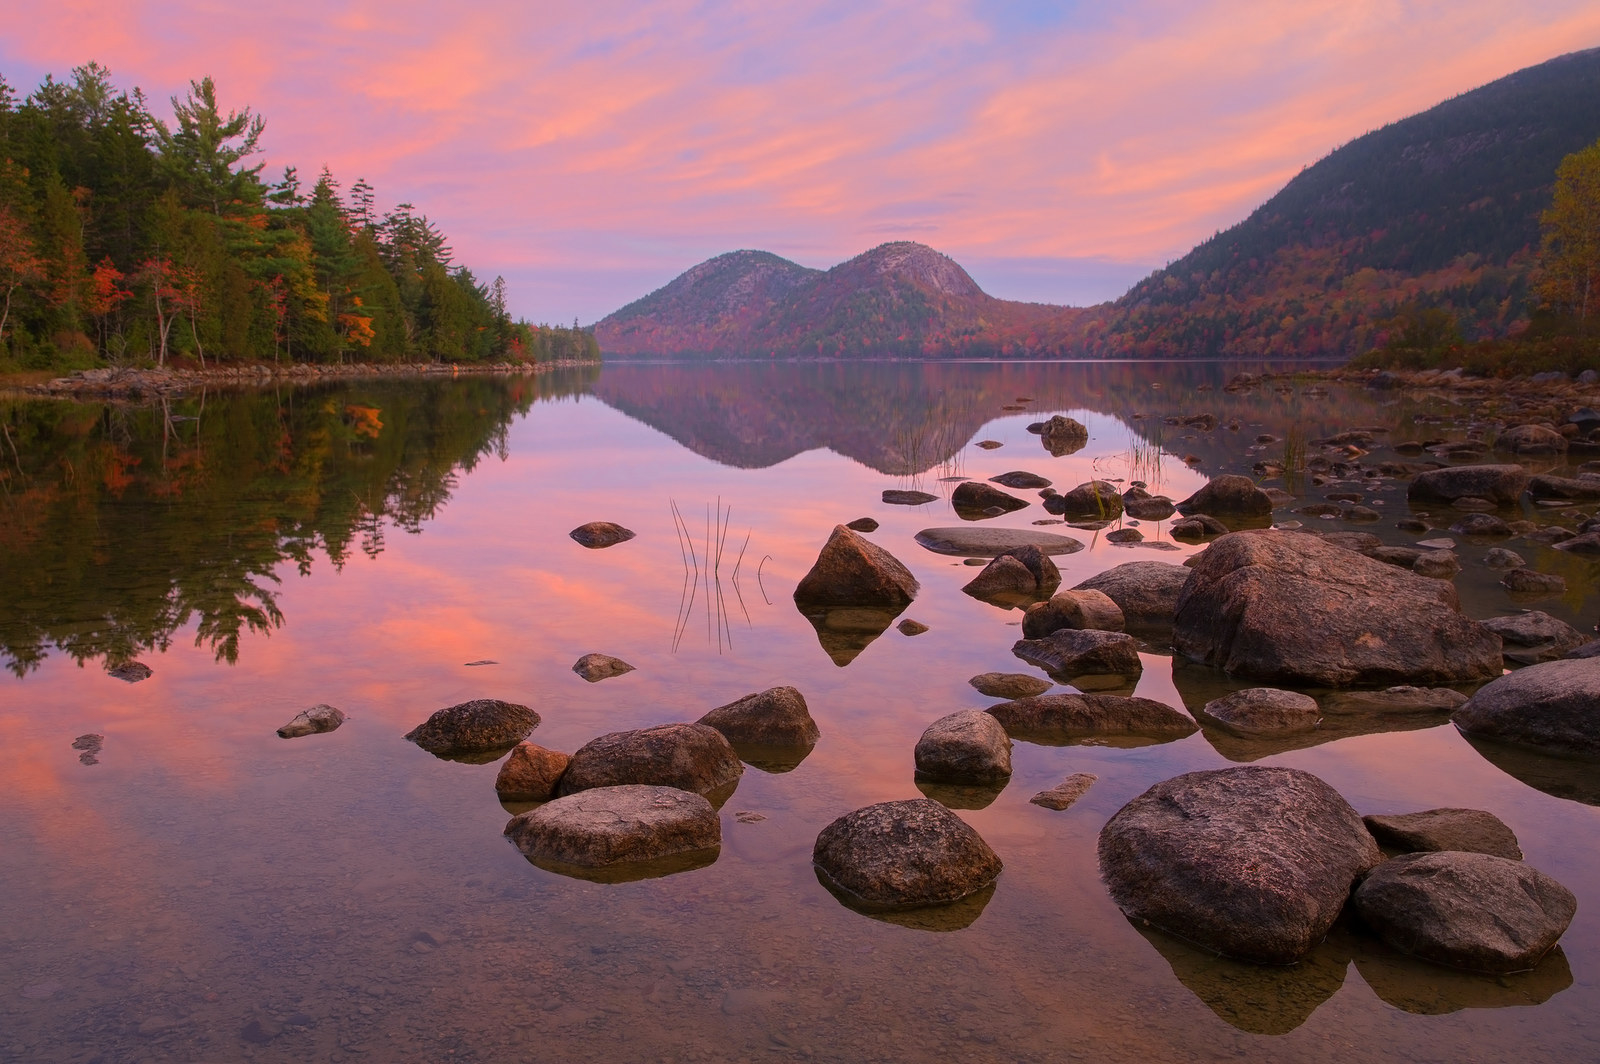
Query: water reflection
[[1574, 779]]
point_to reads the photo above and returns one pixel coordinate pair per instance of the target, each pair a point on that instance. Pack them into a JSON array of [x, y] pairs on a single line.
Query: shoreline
[[130, 383]]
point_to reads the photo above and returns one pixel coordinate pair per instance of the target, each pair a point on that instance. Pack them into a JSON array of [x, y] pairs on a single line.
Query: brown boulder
[[1080, 610], [853, 571], [690, 757], [898, 855], [1062, 719], [967, 746], [611, 826], [477, 727], [530, 774], [1470, 830]]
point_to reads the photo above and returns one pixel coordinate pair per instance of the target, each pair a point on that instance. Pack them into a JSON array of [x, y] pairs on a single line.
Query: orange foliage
[[364, 420]]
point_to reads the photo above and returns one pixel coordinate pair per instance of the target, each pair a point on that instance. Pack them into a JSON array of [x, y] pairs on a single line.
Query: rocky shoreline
[[131, 383]]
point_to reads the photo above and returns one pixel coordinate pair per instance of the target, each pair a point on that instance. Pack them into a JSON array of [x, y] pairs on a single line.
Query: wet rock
[[530, 774], [1500, 558], [1466, 910], [1590, 649], [1153, 508], [477, 727], [1481, 525], [1063, 794], [1550, 706], [597, 667], [1023, 572], [1125, 535], [130, 671], [1288, 609], [1081, 610], [910, 627], [852, 571], [974, 496], [1468, 830], [1010, 684], [1069, 716], [609, 826], [967, 746], [690, 757], [1062, 435], [1071, 653], [1228, 495], [896, 497], [1145, 592], [1531, 439], [1499, 484], [319, 718], [1586, 544], [1264, 711], [1528, 581], [1402, 699], [863, 524], [1252, 862], [598, 534], [1437, 564], [1197, 527], [777, 716], [992, 542], [1096, 498], [904, 854], [1535, 636], [1019, 478], [1545, 486]]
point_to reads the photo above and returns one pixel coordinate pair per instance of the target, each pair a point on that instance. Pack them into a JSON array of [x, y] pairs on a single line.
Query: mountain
[[1439, 209], [900, 299]]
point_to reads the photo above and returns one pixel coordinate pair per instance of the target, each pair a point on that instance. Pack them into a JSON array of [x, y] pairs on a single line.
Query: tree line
[[128, 239]]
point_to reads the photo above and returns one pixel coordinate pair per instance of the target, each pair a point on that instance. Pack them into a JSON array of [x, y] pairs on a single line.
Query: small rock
[[904, 855], [598, 534], [1401, 699], [908, 498], [131, 671], [1154, 508], [1264, 711], [967, 746], [1531, 439], [1499, 484], [1469, 830], [1020, 478], [1096, 498], [1481, 525], [910, 627], [1437, 564], [530, 774], [1145, 592], [475, 727], [1081, 610], [1528, 581], [1063, 794], [1466, 910], [974, 496], [1003, 576], [1587, 544], [597, 667], [1066, 717], [319, 718], [777, 716], [1010, 684], [1070, 653], [1125, 535], [1500, 558], [992, 542], [1197, 527], [863, 524]]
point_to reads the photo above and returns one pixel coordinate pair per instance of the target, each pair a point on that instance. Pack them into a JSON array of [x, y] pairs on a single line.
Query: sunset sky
[[589, 153]]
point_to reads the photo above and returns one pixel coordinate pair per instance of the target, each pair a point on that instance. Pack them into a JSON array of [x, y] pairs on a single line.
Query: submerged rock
[[598, 534], [690, 757], [530, 774], [1545, 486], [904, 854], [967, 746], [1500, 558], [597, 667], [1069, 652], [1264, 711], [777, 716], [1287, 608], [617, 825], [1252, 862], [852, 571], [1010, 684], [1550, 706], [480, 726], [1466, 910], [1080, 610], [319, 718], [1063, 794], [1064, 718], [1531, 439], [1470, 830]]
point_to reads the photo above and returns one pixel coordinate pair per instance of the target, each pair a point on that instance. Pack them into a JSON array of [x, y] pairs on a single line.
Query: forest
[[126, 239]]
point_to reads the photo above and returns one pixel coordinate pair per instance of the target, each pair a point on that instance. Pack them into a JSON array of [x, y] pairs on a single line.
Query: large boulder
[[1470, 830], [1466, 910], [611, 826], [481, 726], [319, 718], [1070, 717], [967, 746], [976, 497], [1264, 711], [1229, 495], [1500, 484], [777, 716], [853, 571], [906, 854], [1082, 610], [1253, 862], [1292, 610], [1535, 636], [1550, 706], [530, 774], [598, 534], [1071, 653], [1145, 592], [690, 757]]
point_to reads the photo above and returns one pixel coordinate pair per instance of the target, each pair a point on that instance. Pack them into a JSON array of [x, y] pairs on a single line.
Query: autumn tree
[[1571, 228], [19, 262]]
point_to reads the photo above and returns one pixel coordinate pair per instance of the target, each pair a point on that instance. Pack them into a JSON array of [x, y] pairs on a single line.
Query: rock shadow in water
[[1426, 989], [632, 872], [951, 916], [771, 759], [845, 631], [962, 795], [1575, 779]]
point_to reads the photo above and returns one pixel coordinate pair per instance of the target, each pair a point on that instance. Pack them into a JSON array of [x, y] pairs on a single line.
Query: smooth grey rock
[[853, 571], [319, 718], [530, 774], [1063, 794], [1063, 718], [1230, 494], [690, 757], [904, 855], [1264, 711], [1010, 684], [1145, 592], [598, 534], [1078, 610], [974, 496], [981, 542], [597, 667], [1288, 609], [1071, 653], [609, 826], [1499, 484], [1551, 706], [896, 497], [1466, 910], [1535, 636], [967, 746], [777, 716], [1253, 862], [1470, 830], [480, 726]]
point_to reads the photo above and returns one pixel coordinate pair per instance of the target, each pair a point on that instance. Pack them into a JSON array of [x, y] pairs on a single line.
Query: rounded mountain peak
[[917, 263]]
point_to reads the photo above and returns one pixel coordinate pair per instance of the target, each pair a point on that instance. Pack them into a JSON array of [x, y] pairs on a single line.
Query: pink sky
[[589, 153]]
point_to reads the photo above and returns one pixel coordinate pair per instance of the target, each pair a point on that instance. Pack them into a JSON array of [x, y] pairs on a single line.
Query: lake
[[194, 888]]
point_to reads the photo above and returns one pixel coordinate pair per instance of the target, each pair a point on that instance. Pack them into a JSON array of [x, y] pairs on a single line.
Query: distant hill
[[901, 299]]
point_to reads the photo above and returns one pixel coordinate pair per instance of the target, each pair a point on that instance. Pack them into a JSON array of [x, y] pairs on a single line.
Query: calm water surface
[[204, 891]]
